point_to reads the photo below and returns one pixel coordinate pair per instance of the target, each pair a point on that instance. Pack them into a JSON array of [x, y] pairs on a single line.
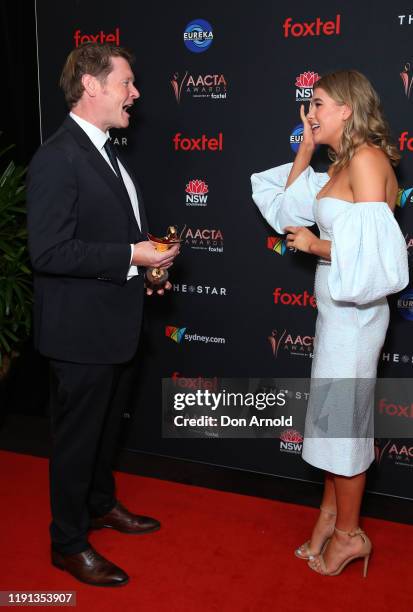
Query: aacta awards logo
[[304, 84], [291, 441], [198, 36], [202, 143], [407, 78], [380, 447], [312, 28], [203, 239], [404, 196], [112, 38], [292, 344], [212, 86], [196, 193], [401, 454], [276, 245]]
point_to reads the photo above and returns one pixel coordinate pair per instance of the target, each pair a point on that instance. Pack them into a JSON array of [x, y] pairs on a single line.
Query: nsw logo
[[175, 333], [304, 84], [196, 193], [291, 441], [198, 35]]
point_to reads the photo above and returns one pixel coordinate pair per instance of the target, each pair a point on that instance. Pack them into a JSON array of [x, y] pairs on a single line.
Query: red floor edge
[[216, 551]]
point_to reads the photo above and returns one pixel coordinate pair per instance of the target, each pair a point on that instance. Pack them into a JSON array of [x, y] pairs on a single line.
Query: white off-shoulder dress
[[368, 262]]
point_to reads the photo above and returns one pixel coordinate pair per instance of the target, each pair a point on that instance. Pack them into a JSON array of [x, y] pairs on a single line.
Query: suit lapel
[[102, 168]]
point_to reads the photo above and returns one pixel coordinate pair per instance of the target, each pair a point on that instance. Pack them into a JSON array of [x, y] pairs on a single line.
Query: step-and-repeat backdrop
[[221, 85]]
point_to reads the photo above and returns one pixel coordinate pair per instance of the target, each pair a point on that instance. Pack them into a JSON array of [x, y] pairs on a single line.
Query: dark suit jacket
[[81, 224]]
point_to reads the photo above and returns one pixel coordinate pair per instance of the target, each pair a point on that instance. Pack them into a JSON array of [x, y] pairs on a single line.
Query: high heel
[[303, 551], [363, 554]]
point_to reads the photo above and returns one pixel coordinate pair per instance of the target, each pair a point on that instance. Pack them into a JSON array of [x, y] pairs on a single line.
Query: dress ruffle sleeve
[[292, 206], [368, 254]]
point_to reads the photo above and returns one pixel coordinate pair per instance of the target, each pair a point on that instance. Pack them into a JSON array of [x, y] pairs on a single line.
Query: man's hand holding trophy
[[157, 255]]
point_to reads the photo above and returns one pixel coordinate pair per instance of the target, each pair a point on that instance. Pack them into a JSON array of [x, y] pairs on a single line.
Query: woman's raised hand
[[308, 139]]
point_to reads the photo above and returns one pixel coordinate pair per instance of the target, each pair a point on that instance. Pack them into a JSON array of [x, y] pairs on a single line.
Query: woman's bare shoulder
[[369, 157]]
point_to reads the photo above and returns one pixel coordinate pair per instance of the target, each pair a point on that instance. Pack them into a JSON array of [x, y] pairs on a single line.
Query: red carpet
[[215, 552]]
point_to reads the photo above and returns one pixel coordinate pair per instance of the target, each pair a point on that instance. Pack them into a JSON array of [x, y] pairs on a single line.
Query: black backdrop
[[232, 262]]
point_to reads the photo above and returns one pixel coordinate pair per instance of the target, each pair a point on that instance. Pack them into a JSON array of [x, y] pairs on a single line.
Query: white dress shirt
[[99, 139]]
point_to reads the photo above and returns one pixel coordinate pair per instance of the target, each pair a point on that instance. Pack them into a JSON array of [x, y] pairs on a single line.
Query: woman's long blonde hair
[[366, 123]]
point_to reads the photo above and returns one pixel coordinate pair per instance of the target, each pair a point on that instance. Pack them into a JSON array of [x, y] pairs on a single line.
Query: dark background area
[[25, 391], [19, 122]]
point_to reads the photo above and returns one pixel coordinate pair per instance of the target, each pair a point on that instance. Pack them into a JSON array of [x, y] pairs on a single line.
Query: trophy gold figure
[[156, 277]]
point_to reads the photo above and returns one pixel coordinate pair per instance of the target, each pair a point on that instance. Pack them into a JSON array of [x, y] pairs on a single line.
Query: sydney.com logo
[[177, 334]]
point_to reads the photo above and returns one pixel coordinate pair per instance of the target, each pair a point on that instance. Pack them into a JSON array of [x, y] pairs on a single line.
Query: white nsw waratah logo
[[196, 193]]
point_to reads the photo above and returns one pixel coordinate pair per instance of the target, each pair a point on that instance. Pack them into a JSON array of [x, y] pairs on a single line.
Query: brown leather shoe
[[90, 567], [122, 520]]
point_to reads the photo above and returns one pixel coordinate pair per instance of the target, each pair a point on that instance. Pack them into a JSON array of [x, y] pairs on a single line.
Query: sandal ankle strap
[[353, 533]]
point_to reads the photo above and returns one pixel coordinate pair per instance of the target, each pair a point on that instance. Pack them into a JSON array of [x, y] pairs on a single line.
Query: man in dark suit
[[86, 237]]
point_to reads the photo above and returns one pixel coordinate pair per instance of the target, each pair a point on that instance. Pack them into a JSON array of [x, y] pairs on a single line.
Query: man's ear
[[89, 83]]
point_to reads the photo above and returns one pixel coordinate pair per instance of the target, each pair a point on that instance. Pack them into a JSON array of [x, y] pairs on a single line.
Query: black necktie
[[109, 148]]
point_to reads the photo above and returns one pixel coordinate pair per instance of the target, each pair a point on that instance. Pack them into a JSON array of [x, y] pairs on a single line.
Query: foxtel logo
[[386, 407], [203, 143], [311, 28], [100, 37], [294, 299], [405, 142], [194, 383]]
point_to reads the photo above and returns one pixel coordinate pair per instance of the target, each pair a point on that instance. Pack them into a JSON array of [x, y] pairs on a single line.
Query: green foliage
[[16, 294]]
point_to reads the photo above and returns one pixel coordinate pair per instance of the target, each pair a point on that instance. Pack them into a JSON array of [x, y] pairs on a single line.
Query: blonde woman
[[362, 258]]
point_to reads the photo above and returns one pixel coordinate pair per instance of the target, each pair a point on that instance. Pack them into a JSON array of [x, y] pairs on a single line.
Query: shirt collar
[[95, 134]]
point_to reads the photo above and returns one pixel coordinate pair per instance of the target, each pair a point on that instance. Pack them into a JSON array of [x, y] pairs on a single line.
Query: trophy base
[[156, 278]]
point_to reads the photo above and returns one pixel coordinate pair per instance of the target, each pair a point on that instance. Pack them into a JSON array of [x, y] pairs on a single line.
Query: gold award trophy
[[156, 277]]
